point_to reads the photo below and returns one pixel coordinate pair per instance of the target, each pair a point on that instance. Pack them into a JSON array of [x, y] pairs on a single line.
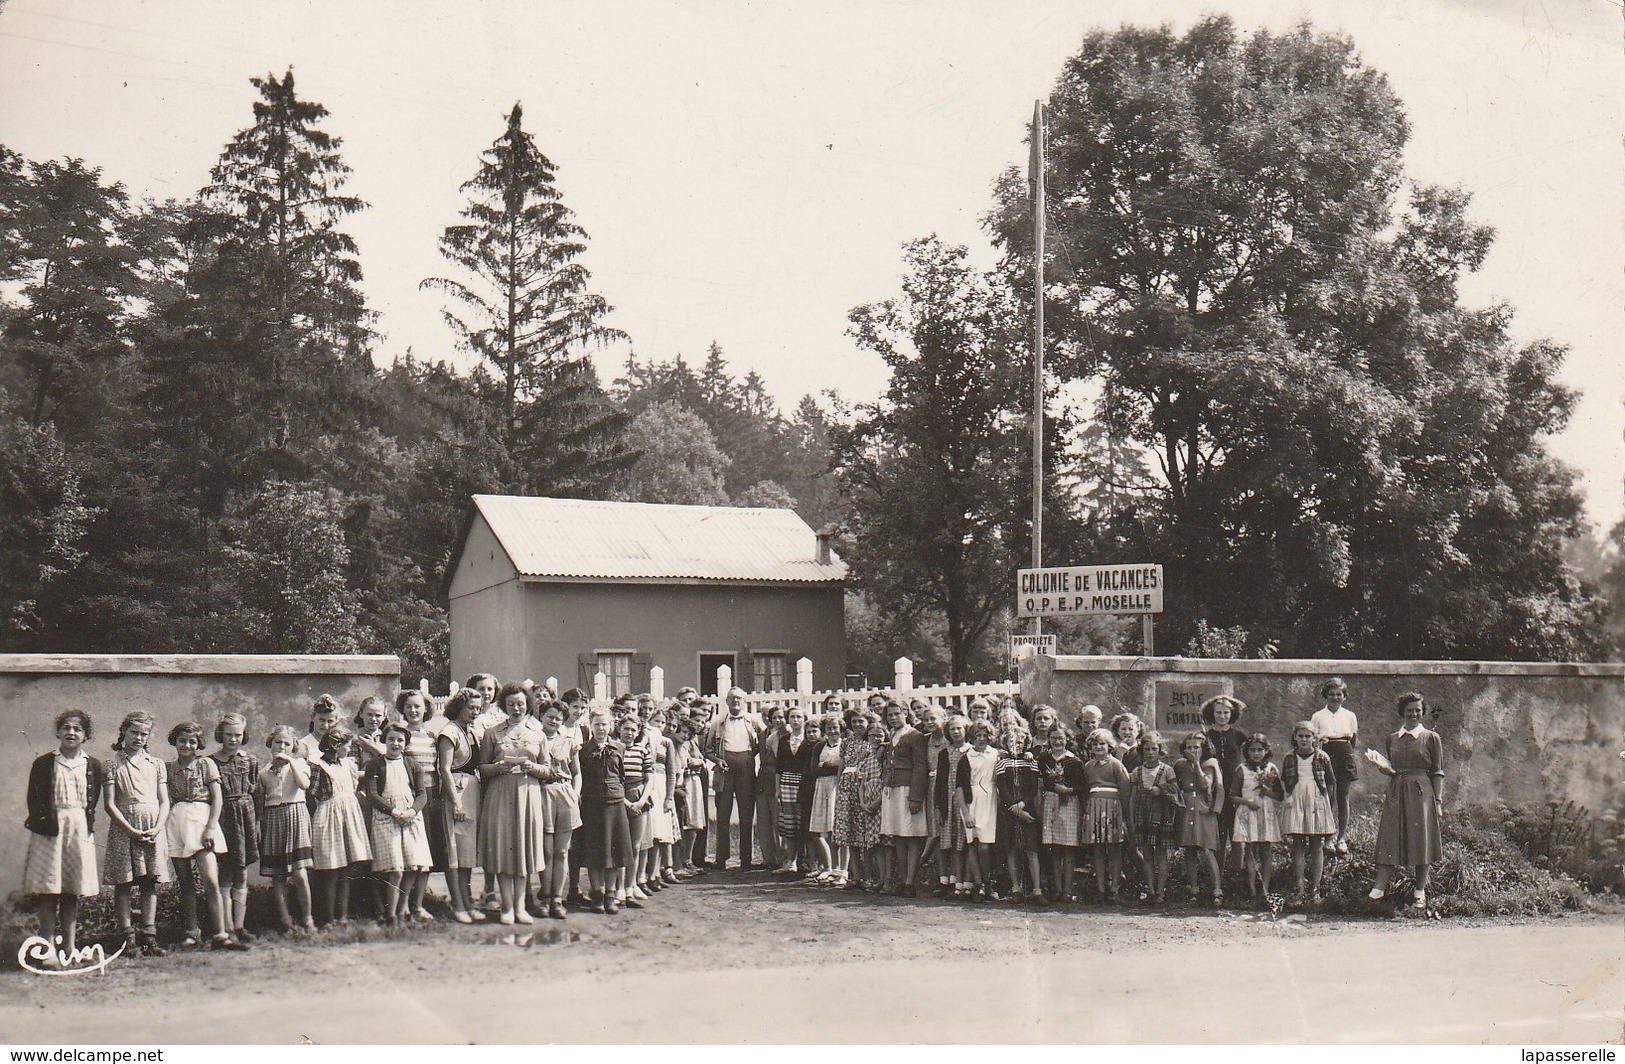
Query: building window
[[767, 672], [616, 665]]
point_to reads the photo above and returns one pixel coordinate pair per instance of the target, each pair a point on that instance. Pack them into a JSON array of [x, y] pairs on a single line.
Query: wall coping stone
[[205, 664], [1336, 666]]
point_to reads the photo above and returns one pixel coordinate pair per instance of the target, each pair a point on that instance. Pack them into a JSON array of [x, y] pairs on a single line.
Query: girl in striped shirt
[[635, 779], [414, 711]]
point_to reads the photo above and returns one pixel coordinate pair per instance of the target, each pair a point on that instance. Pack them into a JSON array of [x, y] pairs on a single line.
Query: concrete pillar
[[804, 681]]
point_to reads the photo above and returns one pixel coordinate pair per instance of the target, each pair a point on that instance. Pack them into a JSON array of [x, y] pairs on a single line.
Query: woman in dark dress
[[1408, 833]]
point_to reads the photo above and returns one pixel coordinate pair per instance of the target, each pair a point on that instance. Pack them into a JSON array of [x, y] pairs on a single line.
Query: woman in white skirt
[[194, 834], [63, 789]]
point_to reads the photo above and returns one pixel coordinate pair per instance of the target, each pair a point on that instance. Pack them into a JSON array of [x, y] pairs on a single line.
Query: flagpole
[[1035, 178]]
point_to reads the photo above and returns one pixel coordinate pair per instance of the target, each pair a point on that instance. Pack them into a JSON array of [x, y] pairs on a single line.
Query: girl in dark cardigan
[[1020, 790], [1225, 741], [63, 789]]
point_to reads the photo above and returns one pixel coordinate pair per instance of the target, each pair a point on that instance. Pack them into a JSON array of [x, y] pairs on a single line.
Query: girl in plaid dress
[[394, 791], [414, 710], [1062, 775], [1105, 780], [950, 814], [690, 793], [339, 839], [136, 797], [239, 820], [285, 827], [1153, 812]]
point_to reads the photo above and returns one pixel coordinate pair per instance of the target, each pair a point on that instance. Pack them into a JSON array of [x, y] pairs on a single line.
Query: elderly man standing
[[732, 742]]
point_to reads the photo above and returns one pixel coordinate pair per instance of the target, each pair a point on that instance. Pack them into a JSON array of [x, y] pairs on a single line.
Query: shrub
[[1566, 838], [1482, 873]]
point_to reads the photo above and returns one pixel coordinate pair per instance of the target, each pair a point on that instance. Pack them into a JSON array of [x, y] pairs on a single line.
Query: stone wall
[[1526, 732], [34, 688]]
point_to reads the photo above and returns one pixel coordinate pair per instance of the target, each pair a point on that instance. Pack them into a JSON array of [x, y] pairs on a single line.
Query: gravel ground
[[722, 923]]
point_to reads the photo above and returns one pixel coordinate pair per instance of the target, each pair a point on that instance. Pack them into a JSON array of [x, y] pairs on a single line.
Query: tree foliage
[[1344, 455], [938, 473], [526, 309], [274, 312], [43, 520], [285, 556], [678, 459]]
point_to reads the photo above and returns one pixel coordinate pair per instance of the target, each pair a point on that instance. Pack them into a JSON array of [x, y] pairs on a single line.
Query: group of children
[[1002, 805], [532, 789]]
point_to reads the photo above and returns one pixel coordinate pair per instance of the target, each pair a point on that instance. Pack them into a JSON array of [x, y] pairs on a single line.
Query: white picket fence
[[950, 696]]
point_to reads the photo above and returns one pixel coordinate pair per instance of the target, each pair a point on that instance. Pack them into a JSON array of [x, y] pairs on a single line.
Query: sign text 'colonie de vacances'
[[1088, 589]]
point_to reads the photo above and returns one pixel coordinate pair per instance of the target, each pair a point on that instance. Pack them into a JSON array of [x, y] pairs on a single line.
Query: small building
[[571, 587]]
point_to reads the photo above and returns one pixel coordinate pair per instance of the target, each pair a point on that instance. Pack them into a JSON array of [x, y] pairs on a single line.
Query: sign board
[[1025, 646], [1088, 590], [1176, 706]]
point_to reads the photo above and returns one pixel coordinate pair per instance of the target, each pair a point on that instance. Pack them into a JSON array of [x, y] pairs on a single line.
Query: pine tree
[[275, 317], [526, 309]]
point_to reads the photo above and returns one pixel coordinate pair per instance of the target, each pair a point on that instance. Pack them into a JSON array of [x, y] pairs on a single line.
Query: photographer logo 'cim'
[[40, 956]]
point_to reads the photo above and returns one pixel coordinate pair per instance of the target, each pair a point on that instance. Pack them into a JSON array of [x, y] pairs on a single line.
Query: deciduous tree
[[1344, 453], [938, 472]]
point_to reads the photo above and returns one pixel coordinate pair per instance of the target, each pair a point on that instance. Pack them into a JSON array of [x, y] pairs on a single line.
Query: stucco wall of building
[[34, 688], [1525, 732], [555, 623]]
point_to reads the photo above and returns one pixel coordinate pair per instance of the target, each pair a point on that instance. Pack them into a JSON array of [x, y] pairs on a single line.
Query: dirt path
[[737, 960]]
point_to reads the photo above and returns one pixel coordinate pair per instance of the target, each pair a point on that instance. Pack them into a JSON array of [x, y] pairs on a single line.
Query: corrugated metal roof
[[586, 538]]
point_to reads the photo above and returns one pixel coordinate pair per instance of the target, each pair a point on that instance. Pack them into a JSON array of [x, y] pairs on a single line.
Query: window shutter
[[641, 664], [586, 667], [746, 675]]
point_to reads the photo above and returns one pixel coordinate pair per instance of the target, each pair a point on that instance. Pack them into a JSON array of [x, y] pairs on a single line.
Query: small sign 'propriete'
[[1023, 646], [1076, 590]]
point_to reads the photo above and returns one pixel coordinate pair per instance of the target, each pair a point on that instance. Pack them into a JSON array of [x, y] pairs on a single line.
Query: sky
[[748, 172]]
